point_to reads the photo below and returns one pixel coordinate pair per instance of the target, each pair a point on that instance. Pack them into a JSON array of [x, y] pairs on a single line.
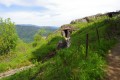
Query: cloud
[[56, 12], [9, 3]]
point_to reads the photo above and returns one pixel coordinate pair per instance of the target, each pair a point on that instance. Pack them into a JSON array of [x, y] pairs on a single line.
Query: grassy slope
[[70, 63], [17, 58]]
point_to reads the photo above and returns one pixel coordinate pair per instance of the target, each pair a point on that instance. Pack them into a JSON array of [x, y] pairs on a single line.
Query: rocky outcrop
[[61, 44], [86, 19], [90, 18], [111, 14], [80, 20]]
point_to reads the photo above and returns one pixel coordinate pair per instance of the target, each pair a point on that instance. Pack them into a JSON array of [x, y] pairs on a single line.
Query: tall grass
[[17, 58], [70, 63]]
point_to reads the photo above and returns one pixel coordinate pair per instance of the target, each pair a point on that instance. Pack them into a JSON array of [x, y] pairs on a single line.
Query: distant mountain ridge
[[26, 32]]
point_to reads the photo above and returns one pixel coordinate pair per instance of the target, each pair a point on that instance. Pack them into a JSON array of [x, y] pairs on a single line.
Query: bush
[[8, 36]]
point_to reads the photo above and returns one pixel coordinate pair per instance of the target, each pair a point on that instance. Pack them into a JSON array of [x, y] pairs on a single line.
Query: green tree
[[8, 36], [38, 37]]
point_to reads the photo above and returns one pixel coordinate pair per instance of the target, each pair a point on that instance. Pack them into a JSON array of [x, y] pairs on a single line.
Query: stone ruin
[[66, 31]]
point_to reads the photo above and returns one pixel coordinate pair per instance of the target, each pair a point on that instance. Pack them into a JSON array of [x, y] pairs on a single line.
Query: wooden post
[[29, 73], [86, 46], [108, 35], [98, 35]]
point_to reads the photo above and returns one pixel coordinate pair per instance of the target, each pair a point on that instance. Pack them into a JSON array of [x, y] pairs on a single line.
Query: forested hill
[[27, 32]]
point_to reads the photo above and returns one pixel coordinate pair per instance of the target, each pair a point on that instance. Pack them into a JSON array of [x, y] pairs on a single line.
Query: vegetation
[[17, 58], [71, 63], [38, 37], [27, 32], [8, 36]]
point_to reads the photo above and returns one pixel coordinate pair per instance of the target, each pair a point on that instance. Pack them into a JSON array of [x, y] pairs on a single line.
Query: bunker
[[66, 31]]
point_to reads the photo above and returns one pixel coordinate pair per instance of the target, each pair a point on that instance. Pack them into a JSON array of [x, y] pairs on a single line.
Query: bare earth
[[12, 72], [113, 59]]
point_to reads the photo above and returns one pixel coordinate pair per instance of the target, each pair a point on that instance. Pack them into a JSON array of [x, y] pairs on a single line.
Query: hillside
[[101, 33], [27, 32]]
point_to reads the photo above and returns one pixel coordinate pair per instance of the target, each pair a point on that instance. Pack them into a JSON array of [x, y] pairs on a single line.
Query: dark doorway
[[66, 33]]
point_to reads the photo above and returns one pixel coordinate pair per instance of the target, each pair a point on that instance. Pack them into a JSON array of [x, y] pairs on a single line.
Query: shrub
[[8, 36]]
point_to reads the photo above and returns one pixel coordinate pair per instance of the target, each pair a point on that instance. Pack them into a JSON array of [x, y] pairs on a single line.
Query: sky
[[53, 12]]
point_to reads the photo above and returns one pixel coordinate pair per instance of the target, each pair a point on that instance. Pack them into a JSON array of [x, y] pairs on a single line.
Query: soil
[[12, 72], [113, 66]]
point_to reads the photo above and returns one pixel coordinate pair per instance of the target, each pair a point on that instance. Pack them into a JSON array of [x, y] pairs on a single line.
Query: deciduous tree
[[8, 36]]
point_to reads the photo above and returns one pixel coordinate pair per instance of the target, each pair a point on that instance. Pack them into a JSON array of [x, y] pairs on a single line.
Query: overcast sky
[[53, 12]]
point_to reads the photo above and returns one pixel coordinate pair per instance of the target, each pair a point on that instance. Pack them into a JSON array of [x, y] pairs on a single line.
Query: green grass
[[71, 63], [17, 58]]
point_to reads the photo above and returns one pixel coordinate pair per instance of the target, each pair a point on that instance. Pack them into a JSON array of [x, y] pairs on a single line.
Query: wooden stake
[[98, 35], [86, 46]]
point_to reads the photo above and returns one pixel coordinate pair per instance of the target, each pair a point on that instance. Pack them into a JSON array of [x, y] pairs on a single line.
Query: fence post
[[108, 35], [98, 35], [29, 73], [86, 46]]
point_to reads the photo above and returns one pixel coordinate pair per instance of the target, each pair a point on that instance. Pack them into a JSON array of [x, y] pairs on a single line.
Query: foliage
[[8, 36], [17, 58], [71, 63], [27, 32], [37, 38]]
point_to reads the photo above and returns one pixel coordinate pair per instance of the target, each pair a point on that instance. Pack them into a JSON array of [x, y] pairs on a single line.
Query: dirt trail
[[12, 72], [113, 59]]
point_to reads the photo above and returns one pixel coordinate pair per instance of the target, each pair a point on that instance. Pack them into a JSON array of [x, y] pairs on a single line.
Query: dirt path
[[12, 72], [113, 59]]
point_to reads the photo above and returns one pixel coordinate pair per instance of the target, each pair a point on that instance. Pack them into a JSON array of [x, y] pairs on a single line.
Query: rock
[[61, 44]]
